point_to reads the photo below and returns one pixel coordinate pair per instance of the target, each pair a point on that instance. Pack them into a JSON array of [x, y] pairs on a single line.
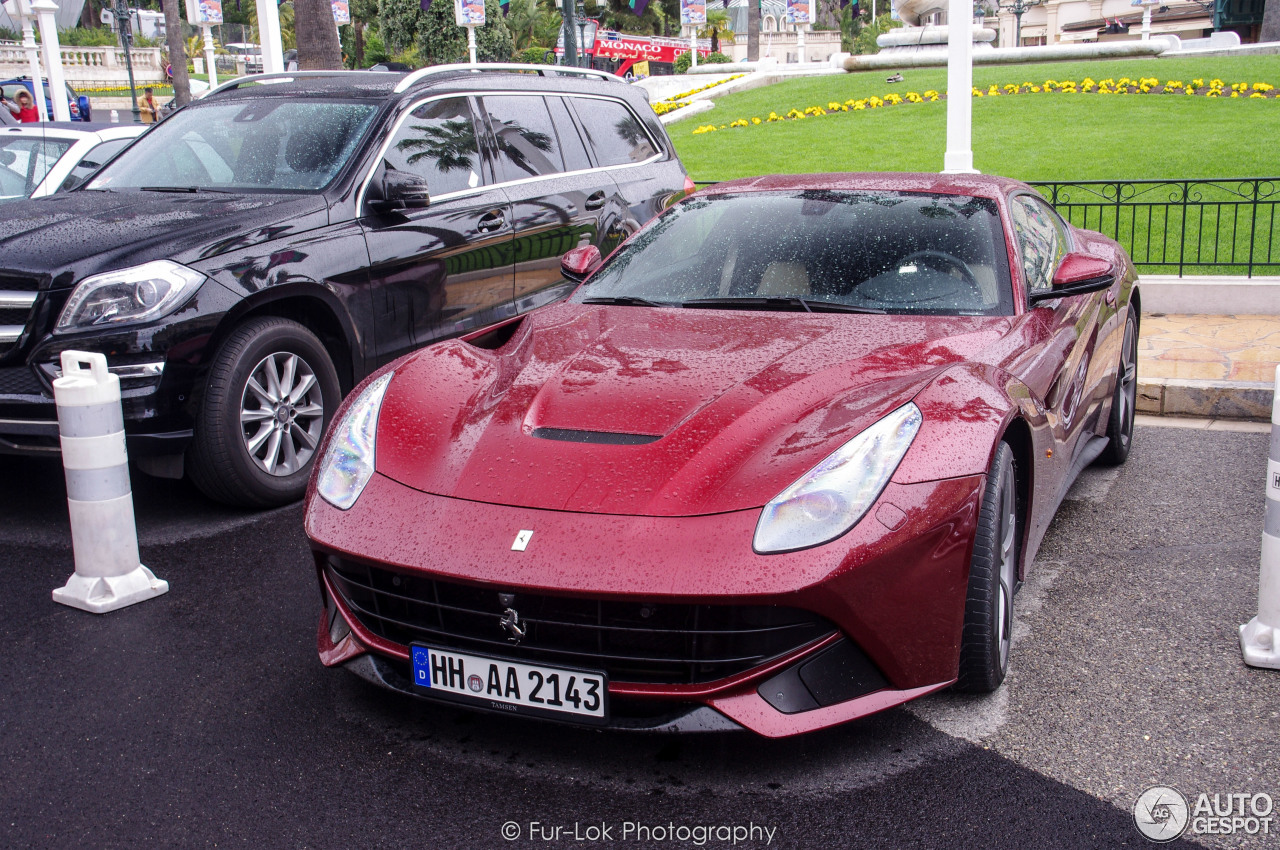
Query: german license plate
[[512, 686]]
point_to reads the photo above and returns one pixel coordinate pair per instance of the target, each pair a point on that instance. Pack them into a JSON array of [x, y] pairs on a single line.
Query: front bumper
[[894, 590]]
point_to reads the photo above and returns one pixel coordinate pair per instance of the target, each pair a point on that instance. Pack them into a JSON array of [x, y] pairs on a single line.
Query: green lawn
[[1056, 136]]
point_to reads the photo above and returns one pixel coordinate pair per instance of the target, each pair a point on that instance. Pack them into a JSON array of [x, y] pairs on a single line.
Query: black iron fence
[[1180, 226]]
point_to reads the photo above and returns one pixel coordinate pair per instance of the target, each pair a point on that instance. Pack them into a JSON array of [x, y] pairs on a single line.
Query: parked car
[[250, 259], [250, 53], [77, 104], [39, 159], [781, 462]]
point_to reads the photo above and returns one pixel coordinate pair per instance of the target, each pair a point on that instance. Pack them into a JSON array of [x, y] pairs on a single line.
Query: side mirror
[[1077, 274], [401, 190], [578, 263]]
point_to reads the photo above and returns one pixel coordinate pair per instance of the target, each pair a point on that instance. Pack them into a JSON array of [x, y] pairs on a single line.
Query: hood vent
[[607, 438]]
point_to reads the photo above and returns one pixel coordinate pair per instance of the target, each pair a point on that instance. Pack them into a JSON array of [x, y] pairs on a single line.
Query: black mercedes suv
[[246, 262]]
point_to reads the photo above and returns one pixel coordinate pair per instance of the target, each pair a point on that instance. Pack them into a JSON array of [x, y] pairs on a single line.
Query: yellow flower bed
[[1124, 85], [692, 92]]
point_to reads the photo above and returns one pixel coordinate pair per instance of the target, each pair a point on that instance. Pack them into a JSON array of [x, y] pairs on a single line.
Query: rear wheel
[[993, 578], [271, 391], [1124, 401]]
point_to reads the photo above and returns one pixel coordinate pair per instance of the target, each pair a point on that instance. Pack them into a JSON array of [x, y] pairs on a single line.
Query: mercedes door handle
[[595, 201], [491, 222]]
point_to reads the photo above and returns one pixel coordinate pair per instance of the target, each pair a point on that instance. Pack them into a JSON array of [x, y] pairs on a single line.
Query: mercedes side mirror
[[578, 263], [400, 190], [1077, 274]]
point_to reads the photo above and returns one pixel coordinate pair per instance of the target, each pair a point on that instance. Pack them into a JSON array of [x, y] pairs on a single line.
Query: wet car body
[[365, 278], [597, 470]]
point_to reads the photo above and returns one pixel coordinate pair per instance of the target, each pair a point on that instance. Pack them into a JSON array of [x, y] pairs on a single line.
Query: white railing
[[91, 67]]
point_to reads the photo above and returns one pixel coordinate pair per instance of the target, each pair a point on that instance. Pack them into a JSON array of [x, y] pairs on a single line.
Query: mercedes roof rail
[[289, 76], [544, 70]]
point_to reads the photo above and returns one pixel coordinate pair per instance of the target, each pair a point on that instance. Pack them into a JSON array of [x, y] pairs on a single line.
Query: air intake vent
[[607, 438]]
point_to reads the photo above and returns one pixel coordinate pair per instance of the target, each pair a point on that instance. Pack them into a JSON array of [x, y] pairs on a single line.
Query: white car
[[39, 159]]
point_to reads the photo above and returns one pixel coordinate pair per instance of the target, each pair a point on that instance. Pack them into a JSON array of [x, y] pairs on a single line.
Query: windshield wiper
[[807, 304], [626, 301], [186, 190]]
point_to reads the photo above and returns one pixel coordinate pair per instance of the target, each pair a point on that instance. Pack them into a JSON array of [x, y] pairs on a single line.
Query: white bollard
[[1259, 639], [104, 540]]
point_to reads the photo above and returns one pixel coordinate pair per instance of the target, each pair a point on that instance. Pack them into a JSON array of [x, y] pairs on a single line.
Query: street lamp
[[567, 28], [1019, 8], [121, 11]]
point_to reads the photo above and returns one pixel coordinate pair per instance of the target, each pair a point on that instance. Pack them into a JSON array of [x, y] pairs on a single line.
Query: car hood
[[649, 412], [78, 233]]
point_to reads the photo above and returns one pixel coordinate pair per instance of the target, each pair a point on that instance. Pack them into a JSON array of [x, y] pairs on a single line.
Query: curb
[[1207, 399]]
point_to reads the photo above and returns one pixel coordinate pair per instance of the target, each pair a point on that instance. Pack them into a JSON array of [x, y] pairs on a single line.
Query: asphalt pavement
[[203, 718]]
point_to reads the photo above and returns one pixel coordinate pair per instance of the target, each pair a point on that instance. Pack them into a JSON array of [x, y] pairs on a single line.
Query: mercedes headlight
[[347, 465], [129, 296], [829, 499]]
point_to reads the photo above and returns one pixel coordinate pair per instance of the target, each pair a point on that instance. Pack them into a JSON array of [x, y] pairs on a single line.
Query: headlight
[[128, 296], [348, 461], [829, 499]]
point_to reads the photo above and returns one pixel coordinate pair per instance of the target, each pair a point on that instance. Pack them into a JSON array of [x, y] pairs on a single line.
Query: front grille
[[632, 641], [14, 319], [19, 381], [18, 284]]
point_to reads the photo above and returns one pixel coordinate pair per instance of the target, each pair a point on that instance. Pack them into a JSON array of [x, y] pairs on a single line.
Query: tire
[[255, 442], [993, 578], [1124, 400]]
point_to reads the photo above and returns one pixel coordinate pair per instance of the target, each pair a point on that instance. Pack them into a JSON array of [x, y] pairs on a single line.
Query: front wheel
[[993, 577], [271, 390]]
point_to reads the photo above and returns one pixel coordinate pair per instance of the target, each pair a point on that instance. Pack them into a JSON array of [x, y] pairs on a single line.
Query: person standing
[[24, 109], [148, 109]]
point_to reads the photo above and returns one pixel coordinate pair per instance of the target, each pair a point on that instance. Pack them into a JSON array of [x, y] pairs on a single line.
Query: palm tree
[[753, 30], [318, 47], [1270, 21], [716, 28]]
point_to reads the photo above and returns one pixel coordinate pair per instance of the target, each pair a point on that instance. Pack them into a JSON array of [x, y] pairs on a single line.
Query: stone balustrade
[[90, 67]]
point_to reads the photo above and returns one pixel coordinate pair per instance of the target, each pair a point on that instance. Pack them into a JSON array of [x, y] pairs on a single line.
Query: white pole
[[1146, 21], [45, 10], [800, 40], [269, 37], [1259, 639], [959, 155], [209, 58], [693, 46], [33, 57], [471, 43]]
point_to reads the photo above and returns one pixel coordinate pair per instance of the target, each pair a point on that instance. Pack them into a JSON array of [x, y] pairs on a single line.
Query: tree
[[177, 53], [865, 43], [717, 28], [318, 48], [441, 41], [753, 30], [1270, 21], [398, 22], [362, 11]]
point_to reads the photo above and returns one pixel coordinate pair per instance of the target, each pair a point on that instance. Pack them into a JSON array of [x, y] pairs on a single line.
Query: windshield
[[264, 144], [24, 161], [817, 250]]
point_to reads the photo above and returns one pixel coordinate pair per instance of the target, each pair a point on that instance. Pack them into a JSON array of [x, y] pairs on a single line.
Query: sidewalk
[[1212, 366]]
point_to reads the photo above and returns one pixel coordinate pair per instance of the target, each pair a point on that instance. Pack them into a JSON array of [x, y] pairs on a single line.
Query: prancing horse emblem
[[510, 621]]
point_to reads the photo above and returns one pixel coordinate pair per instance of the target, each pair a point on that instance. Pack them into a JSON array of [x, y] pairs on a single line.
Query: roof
[[983, 185]]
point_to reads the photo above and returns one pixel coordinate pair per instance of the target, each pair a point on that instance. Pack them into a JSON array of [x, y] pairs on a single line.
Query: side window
[[1041, 240], [616, 135], [438, 142], [571, 146], [528, 145], [92, 161]]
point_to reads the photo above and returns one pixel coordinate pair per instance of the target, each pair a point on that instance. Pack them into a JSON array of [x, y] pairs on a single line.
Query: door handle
[[595, 201], [491, 221]]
